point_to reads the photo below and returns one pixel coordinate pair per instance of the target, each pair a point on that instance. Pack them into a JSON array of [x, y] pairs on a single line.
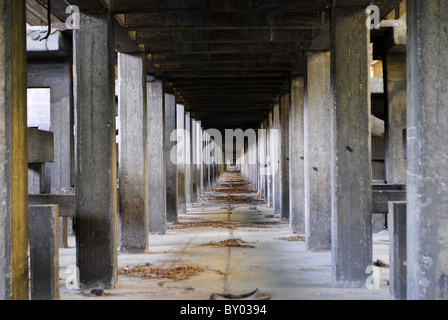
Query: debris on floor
[[293, 238], [381, 264], [254, 295], [148, 272], [234, 242]]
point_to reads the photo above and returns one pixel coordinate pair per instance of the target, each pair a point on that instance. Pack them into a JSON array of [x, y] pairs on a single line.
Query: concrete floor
[[280, 269]]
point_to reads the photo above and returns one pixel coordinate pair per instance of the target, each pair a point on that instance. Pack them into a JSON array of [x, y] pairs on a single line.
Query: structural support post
[[271, 165], [276, 156], [133, 164], [427, 149], [297, 155], [188, 171], [351, 164], [181, 166], [194, 169], [96, 185], [156, 157], [171, 167], [318, 153], [285, 103], [396, 117], [14, 282]]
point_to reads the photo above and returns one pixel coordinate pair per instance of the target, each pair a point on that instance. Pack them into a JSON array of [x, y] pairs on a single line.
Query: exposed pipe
[[48, 20]]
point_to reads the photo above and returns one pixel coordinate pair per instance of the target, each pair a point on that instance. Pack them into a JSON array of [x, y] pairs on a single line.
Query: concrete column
[[261, 164], [396, 223], [276, 156], [271, 165], [285, 103], [188, 173], [133, 155], [13, 153], [171, 167], [198, 159], [181, 166], [318, 152], [351, 164], [194, 154], [44, 252], [156, 157], [427, 149], [96, 185], [297, 156], [395, 75]]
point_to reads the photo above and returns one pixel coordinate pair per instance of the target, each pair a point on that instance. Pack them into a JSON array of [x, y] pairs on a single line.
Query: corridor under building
[[193, 149]]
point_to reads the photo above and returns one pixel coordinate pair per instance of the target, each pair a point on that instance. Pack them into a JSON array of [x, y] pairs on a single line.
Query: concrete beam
[[96, 187], [133, 155], [14, 282], [351, 158], [427, 149]]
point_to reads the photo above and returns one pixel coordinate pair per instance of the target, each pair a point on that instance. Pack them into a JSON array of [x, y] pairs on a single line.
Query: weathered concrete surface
[[96, 185], [40, 146], [13, 153], [181, 166], [318, 152], [171, 167], [276, 153], [285, 104], [427, 149], [133, 155], [397, 250], [396, 118], [297, 156], [44, 252], [351, 158]]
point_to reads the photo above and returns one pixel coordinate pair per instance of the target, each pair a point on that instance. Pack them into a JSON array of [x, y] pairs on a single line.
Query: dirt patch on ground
[[293, 238], [234, 242], [149, 272]]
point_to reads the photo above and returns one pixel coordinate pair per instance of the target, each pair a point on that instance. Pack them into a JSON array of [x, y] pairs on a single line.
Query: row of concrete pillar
[[323, 182]]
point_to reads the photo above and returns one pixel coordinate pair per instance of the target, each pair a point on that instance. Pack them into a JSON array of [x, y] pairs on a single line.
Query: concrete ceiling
[[226, 60]]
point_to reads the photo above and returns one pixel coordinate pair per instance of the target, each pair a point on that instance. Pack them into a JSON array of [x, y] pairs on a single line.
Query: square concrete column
[[44, 252], [395, 76], [181, 166], [188, 171], [351, 164], [171, 167], [318, 153], [261, 164], [271, 165], [96, 180], [427, 149], [133, 155], [396, 223], [285, 103], [156, 157], [297, 155], [194, 169], [13, 153], [276, 156], [198, 162]]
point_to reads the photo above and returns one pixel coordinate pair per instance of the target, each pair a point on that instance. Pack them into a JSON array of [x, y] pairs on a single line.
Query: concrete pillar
[[285, 103], [351, 164], [171, 167], [271, 165], [427, 149], [297, 156], [194, 154], [396, 223], [262, 160], [133, 155], [198, 159], [318, 152], [14, 153], [181, 166], [188, 173], [276, 156], [44, 252], [96, 185], [156, 157], [395, 76]]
